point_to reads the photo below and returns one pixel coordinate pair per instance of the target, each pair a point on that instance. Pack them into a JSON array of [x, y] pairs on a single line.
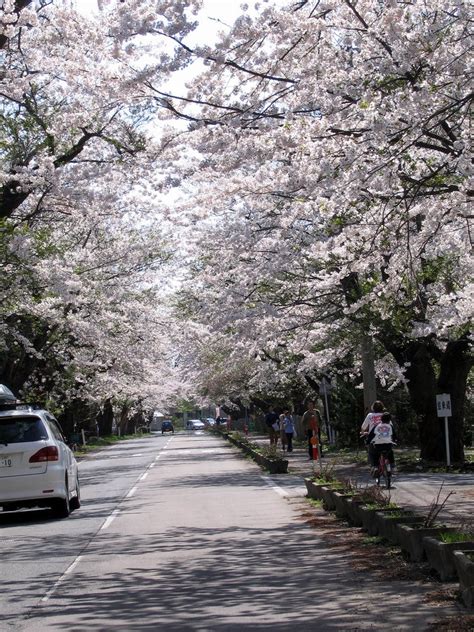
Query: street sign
[[443, 405], [443, 408]]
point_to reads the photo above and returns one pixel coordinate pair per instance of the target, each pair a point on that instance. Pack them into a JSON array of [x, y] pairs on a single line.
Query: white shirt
[[370, 421], [383, 433]]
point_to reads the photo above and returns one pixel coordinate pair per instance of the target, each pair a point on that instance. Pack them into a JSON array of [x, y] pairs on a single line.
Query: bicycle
[[384, 470]]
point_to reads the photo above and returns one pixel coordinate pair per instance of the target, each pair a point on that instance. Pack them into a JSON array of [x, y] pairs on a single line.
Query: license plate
[[6, 461]]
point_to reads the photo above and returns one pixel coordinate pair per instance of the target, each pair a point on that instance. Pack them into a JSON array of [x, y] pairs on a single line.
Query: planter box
[[367, 515], [274, 466], [388, 525], [410, 538], [328, 497], [465, 569], [341, 505], [353, 511], [313, 489], [440, 556]]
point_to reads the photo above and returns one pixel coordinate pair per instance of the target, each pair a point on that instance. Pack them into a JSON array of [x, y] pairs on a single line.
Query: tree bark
[[430, 372], [455, 366], [123, 419], [105, 419]]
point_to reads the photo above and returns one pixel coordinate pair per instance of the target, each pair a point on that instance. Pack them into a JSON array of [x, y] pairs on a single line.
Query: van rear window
[[21, 430]]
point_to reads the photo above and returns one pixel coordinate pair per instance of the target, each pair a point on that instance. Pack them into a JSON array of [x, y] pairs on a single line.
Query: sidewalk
[[414, 491]]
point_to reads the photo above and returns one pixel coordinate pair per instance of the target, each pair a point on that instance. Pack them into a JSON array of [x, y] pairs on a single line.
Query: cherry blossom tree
[[82, 241], [332, 152]]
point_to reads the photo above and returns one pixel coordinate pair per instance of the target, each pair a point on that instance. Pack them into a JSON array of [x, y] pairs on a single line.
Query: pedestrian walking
[[272, 423], [283, 439], [289, 426], [311, 422]]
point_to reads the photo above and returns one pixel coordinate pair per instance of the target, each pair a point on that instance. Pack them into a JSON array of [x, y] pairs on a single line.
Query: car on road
[[195, 424], [167, 426], [209, 421], [37, 467]]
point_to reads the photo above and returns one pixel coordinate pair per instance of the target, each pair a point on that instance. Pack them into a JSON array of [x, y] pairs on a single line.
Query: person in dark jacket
[[273, 425]]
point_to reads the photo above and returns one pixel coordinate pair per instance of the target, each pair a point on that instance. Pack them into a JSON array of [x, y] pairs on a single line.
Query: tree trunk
[[431, 372], [123, 419], [105, 419], [422, 388], [455, 366], [76, 416]]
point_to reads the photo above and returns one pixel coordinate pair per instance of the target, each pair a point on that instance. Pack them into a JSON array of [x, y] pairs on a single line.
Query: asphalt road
[[35, 549], [182, 533]]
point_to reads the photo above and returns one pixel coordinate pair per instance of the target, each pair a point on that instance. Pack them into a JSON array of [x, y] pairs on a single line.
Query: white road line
[[276, 488], [108, 521], [68, 570]]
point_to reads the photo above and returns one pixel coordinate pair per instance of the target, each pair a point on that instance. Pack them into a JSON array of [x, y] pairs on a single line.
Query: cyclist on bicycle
[[380, 439], [373, 418]]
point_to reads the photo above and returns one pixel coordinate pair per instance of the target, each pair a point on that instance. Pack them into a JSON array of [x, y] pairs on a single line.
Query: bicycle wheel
[[379, 472], [387, 473]]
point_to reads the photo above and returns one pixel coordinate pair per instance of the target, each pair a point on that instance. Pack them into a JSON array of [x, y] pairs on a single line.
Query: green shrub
[[449, 537]]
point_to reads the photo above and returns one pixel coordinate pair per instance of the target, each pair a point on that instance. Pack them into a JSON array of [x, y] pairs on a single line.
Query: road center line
[[110, 519], [107, 522], [68, 570]]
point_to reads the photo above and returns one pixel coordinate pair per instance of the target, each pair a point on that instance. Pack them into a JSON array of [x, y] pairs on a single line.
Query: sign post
[[443, 408], [324, 389]]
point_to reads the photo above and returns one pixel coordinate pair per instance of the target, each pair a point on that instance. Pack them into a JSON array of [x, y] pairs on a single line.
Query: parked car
[[167, 426], [209, 421], [37, 467], [195, 424]]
